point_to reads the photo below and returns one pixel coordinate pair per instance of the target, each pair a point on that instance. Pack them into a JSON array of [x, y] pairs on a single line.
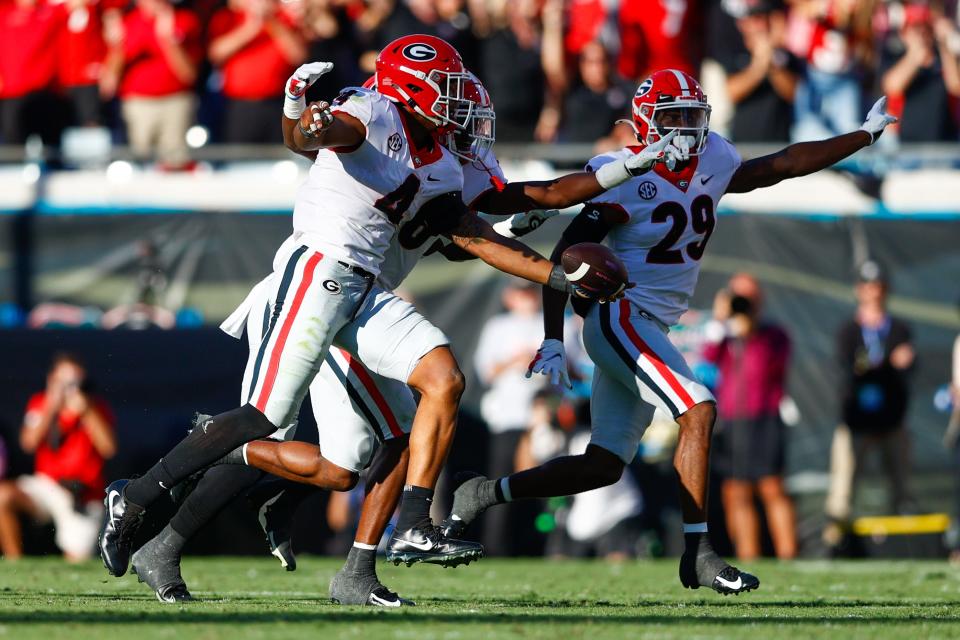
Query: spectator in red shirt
[[70, 433], [153, 69], [749, 440], [83, 50], [257, 48], [29, 36], [660, 34]]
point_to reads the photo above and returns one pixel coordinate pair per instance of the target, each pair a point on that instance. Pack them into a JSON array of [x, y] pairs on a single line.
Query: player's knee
[[700, 417], [602, 468], [603, 476], [242, 424], [445, 383]]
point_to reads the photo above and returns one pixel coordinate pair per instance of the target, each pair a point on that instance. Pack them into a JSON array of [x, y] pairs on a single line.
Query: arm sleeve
[[592, 224]]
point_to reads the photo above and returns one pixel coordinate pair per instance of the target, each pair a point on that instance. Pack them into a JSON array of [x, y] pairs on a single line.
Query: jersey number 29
[[701, 218]]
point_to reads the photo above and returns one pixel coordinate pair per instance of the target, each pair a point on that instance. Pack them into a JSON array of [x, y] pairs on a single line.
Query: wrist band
[[612, 174], [558, 279], [293, 108]]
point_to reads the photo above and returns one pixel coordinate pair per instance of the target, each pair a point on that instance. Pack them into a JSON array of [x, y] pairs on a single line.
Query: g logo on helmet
[[419, 52], [644, 88]]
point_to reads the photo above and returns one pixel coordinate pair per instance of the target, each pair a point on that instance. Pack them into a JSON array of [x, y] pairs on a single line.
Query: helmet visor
[[688, 119]]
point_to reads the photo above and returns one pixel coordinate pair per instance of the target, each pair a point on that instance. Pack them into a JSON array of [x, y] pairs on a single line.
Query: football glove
[[615, 173], [551, 360], [877, 120], [520, 224], [297, 85]]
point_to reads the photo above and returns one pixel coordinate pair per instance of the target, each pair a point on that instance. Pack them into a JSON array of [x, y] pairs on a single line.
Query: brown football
[[594, 269]]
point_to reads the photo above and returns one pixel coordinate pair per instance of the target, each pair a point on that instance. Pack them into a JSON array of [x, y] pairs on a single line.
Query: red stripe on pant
[[364, 376], [651, 355], [274, 365]]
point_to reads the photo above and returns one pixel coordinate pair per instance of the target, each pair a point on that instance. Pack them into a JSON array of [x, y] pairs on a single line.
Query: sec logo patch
[[395, 142], [419, 52], [647, 190]]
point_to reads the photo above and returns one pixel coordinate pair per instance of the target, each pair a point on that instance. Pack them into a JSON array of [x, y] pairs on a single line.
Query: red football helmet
[[426, 74], [668, 100], [473, 143]]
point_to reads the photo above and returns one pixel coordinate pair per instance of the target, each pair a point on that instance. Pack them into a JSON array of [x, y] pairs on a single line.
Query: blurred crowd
[[558, 70]]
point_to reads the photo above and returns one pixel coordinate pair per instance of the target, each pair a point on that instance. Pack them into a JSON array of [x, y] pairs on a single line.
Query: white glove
[[877, 120], [551, 360], [297, 85], [520, 224], [614, 173]]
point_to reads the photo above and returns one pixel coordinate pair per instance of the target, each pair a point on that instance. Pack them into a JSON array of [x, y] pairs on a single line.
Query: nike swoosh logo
[[375, 599], [705, 179], [114, 495], [163, 486], [426, 545], [737, 584], [432, 179]]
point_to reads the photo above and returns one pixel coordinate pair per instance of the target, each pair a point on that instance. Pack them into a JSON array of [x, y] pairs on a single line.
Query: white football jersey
[[354, 200], [668, 219], [436, 178], [479, 178]]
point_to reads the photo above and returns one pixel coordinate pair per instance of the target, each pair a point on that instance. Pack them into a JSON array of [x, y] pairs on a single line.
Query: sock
[[171, 538], [501, 489], [415, 508], [215, 489], [204, 445], [236, 457], [361, 560]]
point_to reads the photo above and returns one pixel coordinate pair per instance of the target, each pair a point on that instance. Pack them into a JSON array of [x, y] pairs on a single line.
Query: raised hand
[[877, 120]]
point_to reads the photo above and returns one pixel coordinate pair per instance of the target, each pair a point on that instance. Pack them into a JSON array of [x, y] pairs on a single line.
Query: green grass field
[[253, 598]]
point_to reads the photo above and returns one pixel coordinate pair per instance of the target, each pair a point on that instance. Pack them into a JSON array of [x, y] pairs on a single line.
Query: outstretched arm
[[477, 237], [805, 158], [576, 188]]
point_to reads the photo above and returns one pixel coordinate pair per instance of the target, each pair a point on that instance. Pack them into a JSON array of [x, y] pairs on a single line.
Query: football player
[[380, 178], [658, 224]]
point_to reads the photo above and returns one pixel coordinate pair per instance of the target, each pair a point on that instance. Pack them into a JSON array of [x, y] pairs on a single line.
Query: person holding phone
[[70, 433], [752, 356]]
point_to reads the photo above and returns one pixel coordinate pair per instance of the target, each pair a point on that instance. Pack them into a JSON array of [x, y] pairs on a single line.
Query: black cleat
[[428, 544], [275, 515], [353, 589], [121, 524], [468, 503], [158, 565], [704, 568]]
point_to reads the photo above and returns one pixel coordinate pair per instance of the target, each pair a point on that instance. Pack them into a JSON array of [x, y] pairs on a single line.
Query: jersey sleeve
[[479, 179], [359, 103], [732, 157]]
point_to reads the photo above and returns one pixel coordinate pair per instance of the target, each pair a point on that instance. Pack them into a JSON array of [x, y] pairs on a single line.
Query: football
[[594, 269]]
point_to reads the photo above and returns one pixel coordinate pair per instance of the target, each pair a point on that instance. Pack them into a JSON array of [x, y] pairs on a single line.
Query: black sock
[[209, 442], [415, 508], [172, 538], [218, 486], [362, 562]]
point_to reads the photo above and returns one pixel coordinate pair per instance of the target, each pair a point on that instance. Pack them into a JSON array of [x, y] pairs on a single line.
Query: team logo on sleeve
[[395, 142], [419, 52], [647, 190]]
